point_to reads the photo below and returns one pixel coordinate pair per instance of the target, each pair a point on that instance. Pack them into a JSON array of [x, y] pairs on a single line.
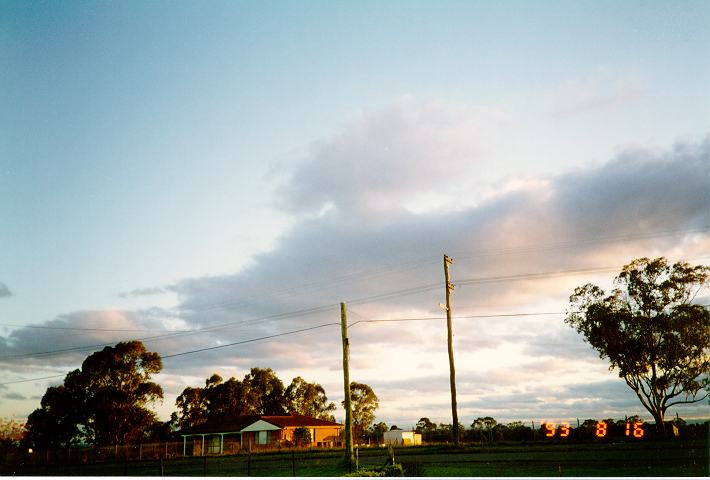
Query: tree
[[517, 431], [265, 392], [377, 431], [56, 423], [12, 433], [228, 399], [104, 402], [192, 408], [484, 423], [309, 399], [302, 436], [650, 331], [260, 392], [426, 427], [364, 402]]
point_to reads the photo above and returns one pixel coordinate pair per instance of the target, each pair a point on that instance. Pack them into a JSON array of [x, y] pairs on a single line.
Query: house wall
[[401, 437], [250, 439], [320, 436]]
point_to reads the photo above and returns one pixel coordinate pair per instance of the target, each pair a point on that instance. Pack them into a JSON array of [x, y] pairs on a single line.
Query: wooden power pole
[[450, 340], [349, 457]]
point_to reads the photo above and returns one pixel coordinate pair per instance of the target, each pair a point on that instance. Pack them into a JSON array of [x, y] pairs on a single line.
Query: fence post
[[357, 459], [204, 466], [293, 462], [162, 469], [249, 463]]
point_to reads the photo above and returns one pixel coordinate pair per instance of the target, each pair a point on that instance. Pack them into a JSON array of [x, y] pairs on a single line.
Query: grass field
[[689, 458]]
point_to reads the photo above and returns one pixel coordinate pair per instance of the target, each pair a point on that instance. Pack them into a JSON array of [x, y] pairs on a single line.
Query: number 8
[[601, 429]]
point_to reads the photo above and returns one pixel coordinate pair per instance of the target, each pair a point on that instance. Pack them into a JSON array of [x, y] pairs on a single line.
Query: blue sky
[[204, 150]]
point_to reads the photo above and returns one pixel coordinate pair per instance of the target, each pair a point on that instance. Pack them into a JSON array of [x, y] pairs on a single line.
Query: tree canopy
[[309, 399], [650, 331], [103, 403], [260, 392], [363, 402]]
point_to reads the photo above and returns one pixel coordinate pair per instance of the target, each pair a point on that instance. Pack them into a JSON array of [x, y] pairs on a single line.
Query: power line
[[190, 352], [90, 329], [292, 332], [383, 270], [250, 340], [362, 300], [173, 335], [32, 379], [461, 317]]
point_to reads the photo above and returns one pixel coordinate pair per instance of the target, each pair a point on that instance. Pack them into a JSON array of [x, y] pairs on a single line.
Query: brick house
[[255, 432]]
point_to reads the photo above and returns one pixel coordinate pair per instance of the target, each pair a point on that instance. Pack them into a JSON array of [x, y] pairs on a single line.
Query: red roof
[[298, 421], [236, 424]]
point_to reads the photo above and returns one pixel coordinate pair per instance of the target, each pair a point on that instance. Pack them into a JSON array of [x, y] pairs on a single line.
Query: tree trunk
[[660, 424]]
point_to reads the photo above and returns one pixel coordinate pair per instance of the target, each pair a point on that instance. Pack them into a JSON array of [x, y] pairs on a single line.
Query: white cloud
[[640, 203], [409, 154]]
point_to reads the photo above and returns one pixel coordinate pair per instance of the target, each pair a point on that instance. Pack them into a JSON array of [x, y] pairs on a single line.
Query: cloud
[[371, 243], [69, 338], [404, 154], [596, 92], [14, 396], [142, 292], [4, 291]]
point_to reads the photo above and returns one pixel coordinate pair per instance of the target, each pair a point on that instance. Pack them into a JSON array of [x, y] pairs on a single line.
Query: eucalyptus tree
[[650, 331]]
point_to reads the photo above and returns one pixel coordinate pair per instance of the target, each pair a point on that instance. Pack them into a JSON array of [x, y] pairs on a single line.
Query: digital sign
[[601, 429]]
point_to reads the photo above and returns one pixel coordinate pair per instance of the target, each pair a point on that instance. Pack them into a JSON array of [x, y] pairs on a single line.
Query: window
[[262, 438], [213, 445]]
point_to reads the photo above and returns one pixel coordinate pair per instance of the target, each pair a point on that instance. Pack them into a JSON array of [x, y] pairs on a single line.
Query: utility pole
[[346, 383], [452, 369]]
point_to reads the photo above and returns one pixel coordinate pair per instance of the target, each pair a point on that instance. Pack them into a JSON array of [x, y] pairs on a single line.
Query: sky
[[207, 174]]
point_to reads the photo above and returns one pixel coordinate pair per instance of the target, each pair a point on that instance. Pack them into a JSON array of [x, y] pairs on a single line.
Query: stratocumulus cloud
[[640, 203]]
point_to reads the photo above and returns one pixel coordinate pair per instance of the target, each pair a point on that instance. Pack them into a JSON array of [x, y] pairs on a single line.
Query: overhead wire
[[463, 254], [178, 334], [199, 350], [242, 342], [357, 301], [408, 265], [315, 327]]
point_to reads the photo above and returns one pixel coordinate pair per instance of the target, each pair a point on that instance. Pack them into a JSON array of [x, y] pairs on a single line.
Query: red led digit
[[550, 429], [638, 429], [628, 429], [564, 430], [601, 429]]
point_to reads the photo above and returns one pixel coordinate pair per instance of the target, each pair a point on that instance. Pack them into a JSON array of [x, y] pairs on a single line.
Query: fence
[[158, 459], [661, 458]]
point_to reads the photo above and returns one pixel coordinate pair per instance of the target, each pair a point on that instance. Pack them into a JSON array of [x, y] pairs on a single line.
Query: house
[[402, 437], [251, 432]]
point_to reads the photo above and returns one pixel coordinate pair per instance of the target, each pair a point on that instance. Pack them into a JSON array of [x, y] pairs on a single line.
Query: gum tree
[[650, 331]]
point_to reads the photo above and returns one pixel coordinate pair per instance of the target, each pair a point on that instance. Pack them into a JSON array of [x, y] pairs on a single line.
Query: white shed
[[402, 437]]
